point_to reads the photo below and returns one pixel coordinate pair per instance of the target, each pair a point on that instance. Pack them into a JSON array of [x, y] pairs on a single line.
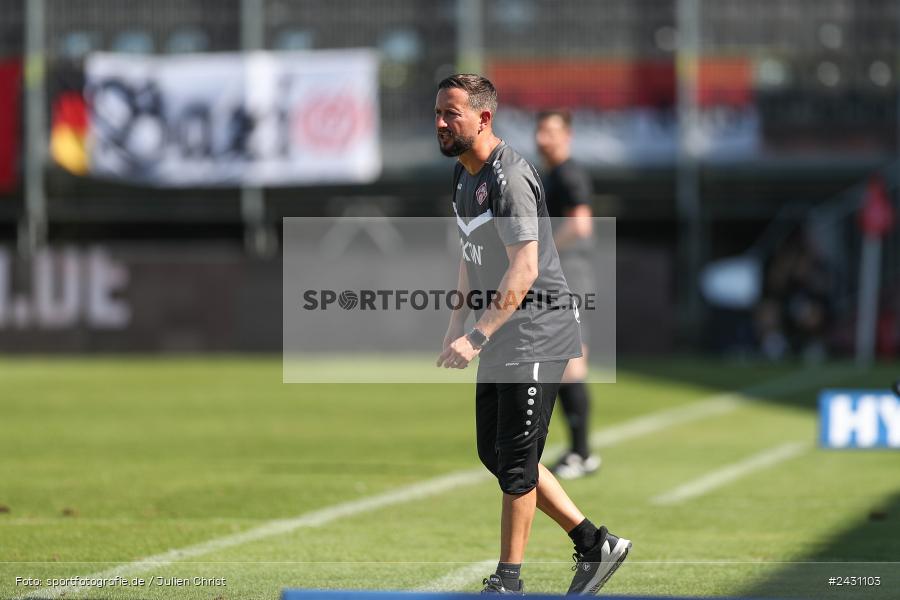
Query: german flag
[[68, 134]]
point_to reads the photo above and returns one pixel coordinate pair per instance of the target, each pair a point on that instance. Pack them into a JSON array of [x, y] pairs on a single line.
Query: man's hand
[[453, 332], [458, 354]]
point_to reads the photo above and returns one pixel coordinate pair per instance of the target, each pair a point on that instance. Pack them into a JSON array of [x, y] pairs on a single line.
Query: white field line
[[459, 578], [277, 527], [733, 472], [717, 404], [652, 423]]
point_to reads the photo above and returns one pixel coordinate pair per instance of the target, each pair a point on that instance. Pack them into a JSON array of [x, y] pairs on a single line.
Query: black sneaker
[[494, 585], [596, 566]]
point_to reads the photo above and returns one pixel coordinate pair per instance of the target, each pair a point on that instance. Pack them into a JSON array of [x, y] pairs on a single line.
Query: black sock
[[575, 403], [509, 574], [584, 535]]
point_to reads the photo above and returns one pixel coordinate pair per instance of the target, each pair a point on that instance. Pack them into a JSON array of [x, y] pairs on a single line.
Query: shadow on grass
[[791, 384], [868, 551]]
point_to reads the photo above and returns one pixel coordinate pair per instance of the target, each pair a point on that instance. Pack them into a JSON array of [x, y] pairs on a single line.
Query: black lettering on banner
[[193, 131], [473, 300], [436, 295], [328, 297], [492, 298], [589, 302], [400, 298], [142, 116], [367, 300], [423, 299], [312, 302], [385, 294], [455, 300]]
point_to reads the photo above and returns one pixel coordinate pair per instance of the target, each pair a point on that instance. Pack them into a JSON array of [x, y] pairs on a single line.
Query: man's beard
[[460, 144]]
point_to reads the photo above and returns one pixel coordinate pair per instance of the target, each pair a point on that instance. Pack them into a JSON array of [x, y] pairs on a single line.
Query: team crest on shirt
[[481, 193]]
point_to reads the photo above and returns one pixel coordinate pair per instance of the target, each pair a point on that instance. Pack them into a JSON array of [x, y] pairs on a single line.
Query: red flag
[[10, 83], [877, 215]]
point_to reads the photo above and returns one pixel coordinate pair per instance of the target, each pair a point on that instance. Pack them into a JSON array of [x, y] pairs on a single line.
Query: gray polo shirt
[[502, 205]]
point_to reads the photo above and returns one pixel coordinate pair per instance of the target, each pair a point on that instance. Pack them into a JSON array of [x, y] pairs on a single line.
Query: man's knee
[[516, 486], [514, 475], [517, 468], [488, 457]]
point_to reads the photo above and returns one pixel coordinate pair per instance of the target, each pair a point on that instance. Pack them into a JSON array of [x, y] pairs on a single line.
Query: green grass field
[[104, 462]]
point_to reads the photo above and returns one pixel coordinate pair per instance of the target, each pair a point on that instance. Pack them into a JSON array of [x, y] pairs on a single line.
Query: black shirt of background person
[[567, 186]]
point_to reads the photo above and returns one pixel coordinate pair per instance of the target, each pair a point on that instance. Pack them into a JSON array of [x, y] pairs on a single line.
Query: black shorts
[[513, 405]]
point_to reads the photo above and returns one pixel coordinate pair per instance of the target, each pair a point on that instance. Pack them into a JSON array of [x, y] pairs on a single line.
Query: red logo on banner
[[481, 193], [331, 122]]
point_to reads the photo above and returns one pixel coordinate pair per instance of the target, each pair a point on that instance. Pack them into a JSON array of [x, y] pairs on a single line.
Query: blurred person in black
[[568, 190], [795, 312]]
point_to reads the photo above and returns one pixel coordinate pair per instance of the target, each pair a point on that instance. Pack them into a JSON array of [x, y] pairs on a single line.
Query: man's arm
[[515, 284], [458, 316], [577, 225]]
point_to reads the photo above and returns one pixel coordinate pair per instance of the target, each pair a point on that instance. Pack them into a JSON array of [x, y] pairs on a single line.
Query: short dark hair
[[482, 93], [562, 113]]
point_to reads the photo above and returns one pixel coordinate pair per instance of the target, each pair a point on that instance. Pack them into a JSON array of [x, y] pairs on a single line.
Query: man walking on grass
[[525, 332]]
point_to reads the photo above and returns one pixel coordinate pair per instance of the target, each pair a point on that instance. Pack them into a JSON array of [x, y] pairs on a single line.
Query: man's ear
[[486, 119]]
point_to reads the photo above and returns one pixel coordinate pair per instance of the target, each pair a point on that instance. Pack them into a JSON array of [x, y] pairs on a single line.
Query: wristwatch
[[477, 338]]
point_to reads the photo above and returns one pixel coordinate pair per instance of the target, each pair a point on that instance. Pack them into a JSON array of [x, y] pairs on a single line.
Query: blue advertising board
[[859, 419]]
